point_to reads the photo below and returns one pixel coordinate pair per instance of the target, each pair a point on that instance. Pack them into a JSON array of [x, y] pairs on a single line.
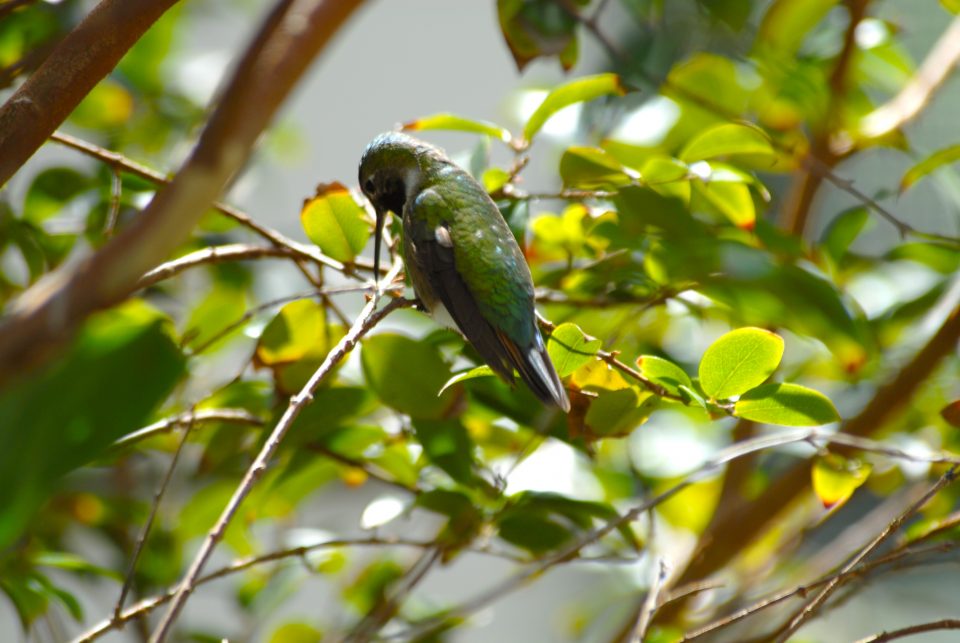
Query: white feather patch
[[442, 235]]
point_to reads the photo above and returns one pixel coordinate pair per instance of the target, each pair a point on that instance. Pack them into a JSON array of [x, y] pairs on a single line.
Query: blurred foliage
[[684, 315]]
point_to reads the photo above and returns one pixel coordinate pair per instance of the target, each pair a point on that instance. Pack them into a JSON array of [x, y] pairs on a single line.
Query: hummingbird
[[465, 265]]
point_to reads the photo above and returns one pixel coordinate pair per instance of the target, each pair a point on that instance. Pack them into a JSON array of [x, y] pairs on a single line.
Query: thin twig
[[860, 570], [808, 610], [367, 319], [933, 626], [154, 508], [651, 602], [232, 416], [213, 255], [120, 162], [116, 191], [709, 468], [148, 605], [385, 609]]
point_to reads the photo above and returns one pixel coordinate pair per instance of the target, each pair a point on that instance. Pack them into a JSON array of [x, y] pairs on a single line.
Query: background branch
[[50, 311], [81, 60]]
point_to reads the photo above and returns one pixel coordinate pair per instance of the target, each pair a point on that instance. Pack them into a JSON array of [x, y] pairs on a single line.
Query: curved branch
[[51, 311], [367, 319], [213, 254], [81, 60]]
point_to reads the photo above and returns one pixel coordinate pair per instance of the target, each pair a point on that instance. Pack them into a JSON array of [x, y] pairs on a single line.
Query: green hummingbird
[[464, 263]]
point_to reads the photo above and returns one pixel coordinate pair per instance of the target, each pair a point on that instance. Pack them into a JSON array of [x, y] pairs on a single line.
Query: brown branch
[[799, 203], [154, 508], [367, 319], [933, 626], [898, 554], [81, 60], [233, 416], [387, 606], [808, 610], [50, 312], [212, 255], [651, 603], [726, 537], [148, 605], [916, 94], [119, 162]]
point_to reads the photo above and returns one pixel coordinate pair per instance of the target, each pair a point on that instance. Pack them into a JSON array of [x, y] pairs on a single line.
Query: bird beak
[[377, 236]]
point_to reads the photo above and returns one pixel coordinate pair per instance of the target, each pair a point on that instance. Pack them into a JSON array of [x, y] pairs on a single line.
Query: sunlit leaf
[[570, 349], [738, 361], [663, 373], [296, 633], [577, 91], [787, 405], [295, 330], [477, 371], [591, 168], [728, 140], [835, 478], [459, 124], [732, 200], [335, 222], [933, 162]]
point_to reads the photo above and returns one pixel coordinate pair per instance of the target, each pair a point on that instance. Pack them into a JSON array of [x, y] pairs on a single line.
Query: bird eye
[[368, 186]]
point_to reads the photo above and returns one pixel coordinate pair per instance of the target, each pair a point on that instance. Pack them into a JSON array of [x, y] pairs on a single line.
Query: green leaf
[[953, 6], [570, 349], [728, 140], [786, 405], [406, 375], [618, 412], [222, 306], [452, 122], [664, 373], [128, 351], [295, 331], [535, 533], [296, 633], [335, 222], [935, 161], [477, 371], [590, 168], [835, 478], [447, 445], [535, 28], [577, 91], [51, 191], [660, 170], [787, 23], [738, 361], [731, 199], [494, 178], [843, 230], [464, 517]]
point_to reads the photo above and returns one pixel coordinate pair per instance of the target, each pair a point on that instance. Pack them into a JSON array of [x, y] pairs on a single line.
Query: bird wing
[[481, 290]]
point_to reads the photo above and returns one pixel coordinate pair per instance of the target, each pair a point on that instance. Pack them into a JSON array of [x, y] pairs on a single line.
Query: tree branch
[[725, 538], [933, 626], [916, 94], [81, 60], [233, 416], [50, 312], [121, 163], [808, 610], [211, 255], [367, 319]]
